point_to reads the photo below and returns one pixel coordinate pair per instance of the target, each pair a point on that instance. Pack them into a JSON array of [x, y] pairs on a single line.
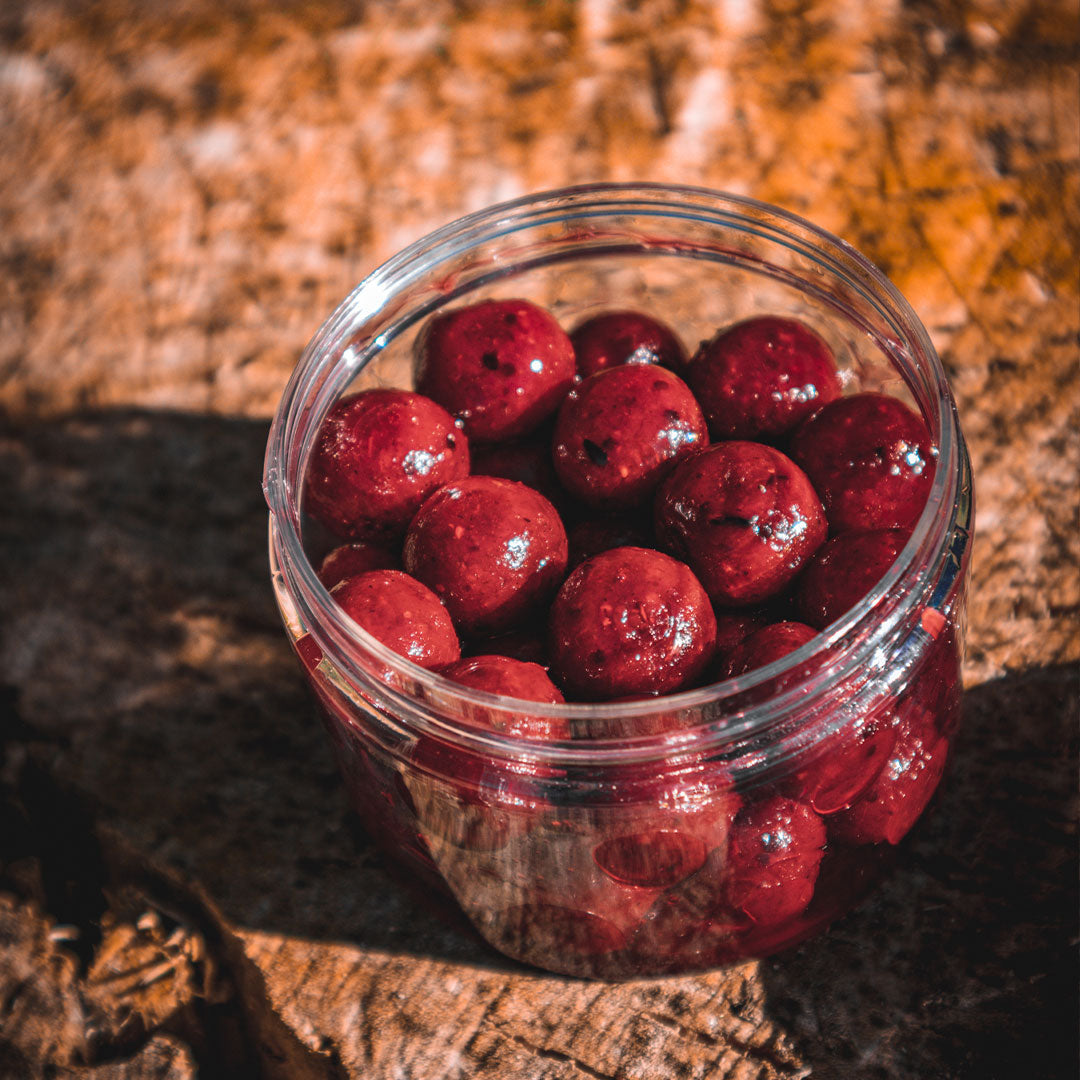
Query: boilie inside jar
[[697, 298], [696, 860]]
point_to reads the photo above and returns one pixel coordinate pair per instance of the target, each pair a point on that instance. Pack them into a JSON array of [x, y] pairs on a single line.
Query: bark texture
[[186, 191]]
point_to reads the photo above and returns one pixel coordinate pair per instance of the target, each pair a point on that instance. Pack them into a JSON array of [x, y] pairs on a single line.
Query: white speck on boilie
[[517, 549], [418, 463]]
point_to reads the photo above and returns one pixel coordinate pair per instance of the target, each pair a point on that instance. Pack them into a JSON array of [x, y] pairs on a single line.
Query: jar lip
[[369, 297]]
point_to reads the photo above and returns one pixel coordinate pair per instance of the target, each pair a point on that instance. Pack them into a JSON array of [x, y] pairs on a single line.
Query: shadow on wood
[[151, 674], [965, 957], [153, 698]]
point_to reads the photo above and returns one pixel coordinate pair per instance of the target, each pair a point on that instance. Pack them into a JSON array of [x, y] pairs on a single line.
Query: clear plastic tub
[[683, 832]]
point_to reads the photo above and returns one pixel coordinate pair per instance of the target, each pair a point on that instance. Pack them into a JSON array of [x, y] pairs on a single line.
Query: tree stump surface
[[186, 191]]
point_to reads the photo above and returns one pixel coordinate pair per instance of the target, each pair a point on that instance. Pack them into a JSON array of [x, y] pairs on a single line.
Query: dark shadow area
[[963, 964], [152, 691]]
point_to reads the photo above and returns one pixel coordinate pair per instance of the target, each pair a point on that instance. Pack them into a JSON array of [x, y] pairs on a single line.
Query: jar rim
[[311, 390]]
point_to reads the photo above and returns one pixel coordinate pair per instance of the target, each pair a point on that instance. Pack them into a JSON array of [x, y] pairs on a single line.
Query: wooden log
[[184, 195]]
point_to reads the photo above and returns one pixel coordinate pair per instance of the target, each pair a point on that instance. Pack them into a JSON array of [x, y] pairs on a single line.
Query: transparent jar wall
[[618, 868], [619, 871], [720, 293]]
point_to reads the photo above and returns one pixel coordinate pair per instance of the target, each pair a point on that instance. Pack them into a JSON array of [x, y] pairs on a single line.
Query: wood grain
[[185, 192]]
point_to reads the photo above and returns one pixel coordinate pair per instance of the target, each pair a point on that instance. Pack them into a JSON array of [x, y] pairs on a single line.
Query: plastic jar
[[683, 832]]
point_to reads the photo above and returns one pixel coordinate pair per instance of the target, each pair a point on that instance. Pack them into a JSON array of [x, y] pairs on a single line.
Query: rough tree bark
[[185, 192]]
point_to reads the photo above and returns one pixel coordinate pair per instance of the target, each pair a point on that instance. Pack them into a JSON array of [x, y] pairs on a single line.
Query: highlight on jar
[[623, 535]]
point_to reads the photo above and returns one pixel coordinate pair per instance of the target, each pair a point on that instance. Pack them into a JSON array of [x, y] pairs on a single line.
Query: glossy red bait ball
[[733, 628], [470, 800], [378, 455], [500, 366], [760, 378], [846, 764], [493, 551], [403, 614], [767, 644], [665, 822], [630, 621], [871, 460], [511, 678], [744, 517], [348, 560], [843, 571], [774, 855], [625, 337], [890, 806], [621, 431]]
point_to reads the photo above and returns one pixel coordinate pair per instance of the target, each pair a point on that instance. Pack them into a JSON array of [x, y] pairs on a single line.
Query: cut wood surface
[[186, 191]]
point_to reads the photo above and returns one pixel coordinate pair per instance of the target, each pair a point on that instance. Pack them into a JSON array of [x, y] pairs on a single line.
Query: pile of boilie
[[633, 520], [597, 516]]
